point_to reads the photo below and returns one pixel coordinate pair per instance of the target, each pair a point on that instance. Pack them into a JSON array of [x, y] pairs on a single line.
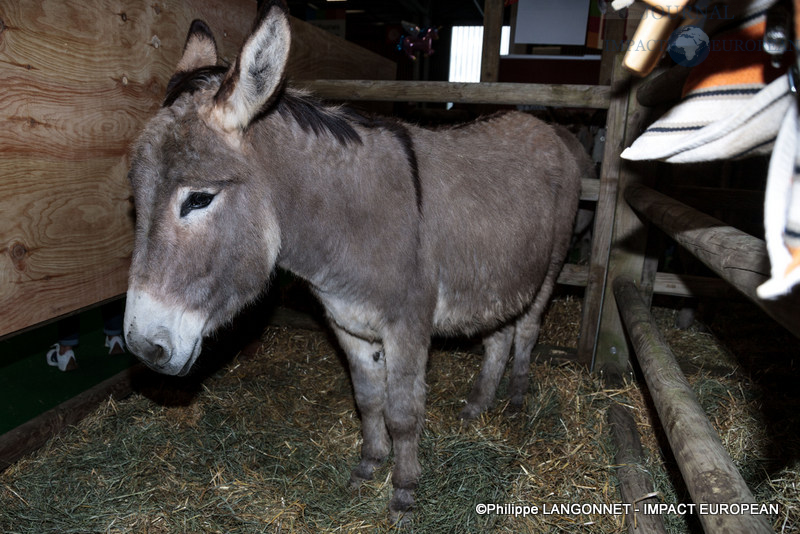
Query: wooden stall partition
[[79, 79]]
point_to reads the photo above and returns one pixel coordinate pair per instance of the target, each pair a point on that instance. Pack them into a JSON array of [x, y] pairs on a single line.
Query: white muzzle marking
[[166, 337]]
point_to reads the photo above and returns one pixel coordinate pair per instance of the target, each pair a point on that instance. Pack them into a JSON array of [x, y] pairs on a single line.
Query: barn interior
[[738, 354]]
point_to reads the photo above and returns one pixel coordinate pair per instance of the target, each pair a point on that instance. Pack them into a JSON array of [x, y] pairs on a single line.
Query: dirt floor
[[264, 442]]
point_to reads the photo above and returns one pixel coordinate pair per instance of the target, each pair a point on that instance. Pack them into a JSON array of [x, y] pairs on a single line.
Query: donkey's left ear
[[258, 71]]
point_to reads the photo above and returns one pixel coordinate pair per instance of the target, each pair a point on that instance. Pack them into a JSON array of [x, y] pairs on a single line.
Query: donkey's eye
[[195, 201]]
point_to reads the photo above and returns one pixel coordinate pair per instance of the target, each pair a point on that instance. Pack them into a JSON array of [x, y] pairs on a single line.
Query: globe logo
[[688, 46]]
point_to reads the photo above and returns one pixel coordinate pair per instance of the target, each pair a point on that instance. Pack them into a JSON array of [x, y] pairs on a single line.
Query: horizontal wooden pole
[[707, 469], [738, 258], [560, 95]]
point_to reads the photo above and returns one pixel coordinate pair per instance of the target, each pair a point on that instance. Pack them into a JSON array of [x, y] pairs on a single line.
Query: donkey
[[402, 232]]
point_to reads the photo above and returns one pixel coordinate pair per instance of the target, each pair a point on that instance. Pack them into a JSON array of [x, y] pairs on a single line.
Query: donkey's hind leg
[[497, 347], [368, 372], [526, 333]]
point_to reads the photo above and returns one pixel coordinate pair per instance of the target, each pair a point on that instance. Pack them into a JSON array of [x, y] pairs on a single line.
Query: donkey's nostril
[[160, 354]]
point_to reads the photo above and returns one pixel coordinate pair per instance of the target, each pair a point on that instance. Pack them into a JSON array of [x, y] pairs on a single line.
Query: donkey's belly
[[472, 311]]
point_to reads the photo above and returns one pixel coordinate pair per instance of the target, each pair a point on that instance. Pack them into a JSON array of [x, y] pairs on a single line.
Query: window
[[465, 52]]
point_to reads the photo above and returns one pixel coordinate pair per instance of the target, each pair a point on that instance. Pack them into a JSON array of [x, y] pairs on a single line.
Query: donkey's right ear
[[200, 49]]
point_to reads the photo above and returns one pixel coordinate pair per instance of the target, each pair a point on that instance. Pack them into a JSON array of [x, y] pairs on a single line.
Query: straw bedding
[[265, 443]]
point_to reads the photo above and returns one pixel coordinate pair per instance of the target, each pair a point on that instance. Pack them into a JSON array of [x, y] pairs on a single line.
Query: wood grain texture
[[79, 80], [602, 233]]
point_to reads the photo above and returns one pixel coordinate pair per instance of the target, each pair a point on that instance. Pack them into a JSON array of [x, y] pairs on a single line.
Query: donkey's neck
[[347, 206]]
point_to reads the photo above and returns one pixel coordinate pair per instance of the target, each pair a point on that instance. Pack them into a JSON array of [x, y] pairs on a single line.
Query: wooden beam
[[581, 96], [707, 469], [682, 285], [735, 256], [492, 31], [602, 345], [636, 486]]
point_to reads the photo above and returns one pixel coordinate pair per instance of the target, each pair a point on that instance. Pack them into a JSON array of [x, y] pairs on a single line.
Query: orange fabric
[[735, 58], [797, 17], [795, 252]]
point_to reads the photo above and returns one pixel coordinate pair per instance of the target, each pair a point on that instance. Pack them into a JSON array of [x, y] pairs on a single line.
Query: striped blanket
[[741, 102]]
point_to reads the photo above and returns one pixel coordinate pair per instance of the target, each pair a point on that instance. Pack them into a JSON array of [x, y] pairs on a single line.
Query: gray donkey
[[402, 232]]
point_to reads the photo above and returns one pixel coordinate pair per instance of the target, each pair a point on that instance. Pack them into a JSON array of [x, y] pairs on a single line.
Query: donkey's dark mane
[[191, 81], [313, 116]]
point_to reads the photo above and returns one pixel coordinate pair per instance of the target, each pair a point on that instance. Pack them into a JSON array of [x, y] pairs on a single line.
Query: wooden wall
[[78, 80]]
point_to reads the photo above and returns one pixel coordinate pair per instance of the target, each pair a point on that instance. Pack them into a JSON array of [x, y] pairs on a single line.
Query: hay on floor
[[265, 444]]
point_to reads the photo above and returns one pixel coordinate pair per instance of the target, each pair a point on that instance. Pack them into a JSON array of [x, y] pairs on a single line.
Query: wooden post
[[707, 469], [602, 344], [739, 258], [492, 30]]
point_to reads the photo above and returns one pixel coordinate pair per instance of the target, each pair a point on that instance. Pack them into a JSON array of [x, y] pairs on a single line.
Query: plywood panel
[[78, 80]]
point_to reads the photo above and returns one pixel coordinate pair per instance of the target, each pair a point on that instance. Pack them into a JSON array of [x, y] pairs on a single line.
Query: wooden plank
[[604, 217], [573, 275], [79, 80], [738, 258], [636, 486], [582, 96], [492, 30], [682, 285], [627, 250], [707, 469], [590, 189], [674, 285]]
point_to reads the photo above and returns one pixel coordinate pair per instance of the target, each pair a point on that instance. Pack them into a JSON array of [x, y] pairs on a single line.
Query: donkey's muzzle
[[166, 338], [156, 352]]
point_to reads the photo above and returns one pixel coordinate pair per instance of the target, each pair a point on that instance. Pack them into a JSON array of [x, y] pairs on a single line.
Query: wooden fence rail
[[707, 469], [735, 256], [579, 96]]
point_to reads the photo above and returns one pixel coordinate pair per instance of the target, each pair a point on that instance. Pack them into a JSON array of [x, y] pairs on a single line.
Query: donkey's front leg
[[406, 357], [368, 372]]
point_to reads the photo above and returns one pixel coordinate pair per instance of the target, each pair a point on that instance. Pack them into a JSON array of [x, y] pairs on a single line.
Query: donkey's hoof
[[469, 412], [357, 478], [401, 506], [363, 472], [515, 406]]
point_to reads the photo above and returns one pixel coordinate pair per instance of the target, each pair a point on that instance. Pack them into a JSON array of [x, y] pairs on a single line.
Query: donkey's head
[[206, 239]]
